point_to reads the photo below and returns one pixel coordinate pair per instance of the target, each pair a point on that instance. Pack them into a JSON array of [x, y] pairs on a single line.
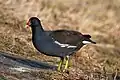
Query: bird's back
[[67, 37]]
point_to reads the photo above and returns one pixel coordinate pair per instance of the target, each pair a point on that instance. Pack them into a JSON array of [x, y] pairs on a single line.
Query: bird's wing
[[66, 37]]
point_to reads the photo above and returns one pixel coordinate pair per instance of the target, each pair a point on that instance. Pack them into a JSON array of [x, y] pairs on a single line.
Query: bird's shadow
[[28, 62]]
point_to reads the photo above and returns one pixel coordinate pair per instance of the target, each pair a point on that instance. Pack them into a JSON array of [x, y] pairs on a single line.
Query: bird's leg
[[66, 63], [60, 64]]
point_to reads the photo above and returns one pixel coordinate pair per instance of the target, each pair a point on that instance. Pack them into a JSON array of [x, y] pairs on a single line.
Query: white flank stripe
[[86, 42], [65, 45]]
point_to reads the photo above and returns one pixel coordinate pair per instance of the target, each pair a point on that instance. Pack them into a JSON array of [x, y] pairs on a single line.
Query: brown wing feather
[[67, 37]]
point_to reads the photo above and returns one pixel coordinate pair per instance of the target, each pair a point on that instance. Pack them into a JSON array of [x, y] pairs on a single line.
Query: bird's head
[[87, 40], [33, 22]]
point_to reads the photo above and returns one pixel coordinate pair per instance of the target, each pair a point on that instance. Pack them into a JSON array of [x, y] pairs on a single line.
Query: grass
[[99, 18], [2, 78]]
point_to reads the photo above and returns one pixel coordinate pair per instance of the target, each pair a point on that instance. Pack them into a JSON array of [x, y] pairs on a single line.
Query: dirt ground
[[99, 18]]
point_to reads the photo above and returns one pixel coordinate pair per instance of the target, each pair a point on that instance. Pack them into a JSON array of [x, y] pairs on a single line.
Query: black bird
[[58, 43]]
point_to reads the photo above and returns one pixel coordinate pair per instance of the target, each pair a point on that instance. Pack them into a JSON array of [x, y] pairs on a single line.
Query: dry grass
[[99, 18]]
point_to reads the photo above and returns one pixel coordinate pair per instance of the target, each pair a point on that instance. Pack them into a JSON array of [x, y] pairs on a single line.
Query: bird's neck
[[37, 31]]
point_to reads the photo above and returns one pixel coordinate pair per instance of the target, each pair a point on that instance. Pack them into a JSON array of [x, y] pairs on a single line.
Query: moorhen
[[57, 43]]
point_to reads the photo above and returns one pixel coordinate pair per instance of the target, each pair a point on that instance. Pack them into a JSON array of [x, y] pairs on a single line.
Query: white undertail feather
[[86, 42]]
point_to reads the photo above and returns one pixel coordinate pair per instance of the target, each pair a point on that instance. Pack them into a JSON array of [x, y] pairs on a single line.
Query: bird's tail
[[87, 40]]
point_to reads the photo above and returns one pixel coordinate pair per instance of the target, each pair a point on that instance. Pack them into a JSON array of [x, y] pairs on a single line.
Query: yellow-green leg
[[66, 63], [60, 65]]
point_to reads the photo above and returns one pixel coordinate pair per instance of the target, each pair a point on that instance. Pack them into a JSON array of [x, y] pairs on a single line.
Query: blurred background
[[99, 18]]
